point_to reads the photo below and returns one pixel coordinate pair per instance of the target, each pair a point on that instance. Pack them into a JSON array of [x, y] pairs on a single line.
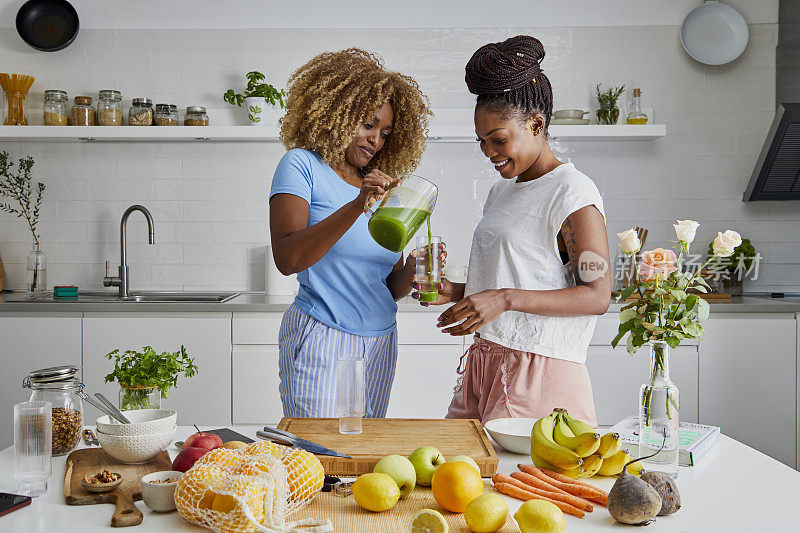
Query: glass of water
[[351, 390], [33, 444]]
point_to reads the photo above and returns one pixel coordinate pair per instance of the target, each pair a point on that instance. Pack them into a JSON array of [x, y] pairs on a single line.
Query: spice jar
[[82, 112], [59, 386], [141, 112], [195, 116], [109, 108], [167, 115], [56, 108]]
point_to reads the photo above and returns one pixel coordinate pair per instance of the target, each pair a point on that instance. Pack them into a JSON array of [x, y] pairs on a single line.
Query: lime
[[539, 516], [486, 513], [428, 521]]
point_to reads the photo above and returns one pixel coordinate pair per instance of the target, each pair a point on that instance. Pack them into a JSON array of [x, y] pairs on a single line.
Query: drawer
[[256, 328], [420, 328], [608, 327]]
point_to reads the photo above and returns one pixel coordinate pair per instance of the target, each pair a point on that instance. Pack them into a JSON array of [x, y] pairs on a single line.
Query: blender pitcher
[[407, 205]]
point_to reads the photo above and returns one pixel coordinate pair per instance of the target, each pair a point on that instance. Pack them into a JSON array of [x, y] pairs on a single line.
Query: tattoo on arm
[[568, 234]]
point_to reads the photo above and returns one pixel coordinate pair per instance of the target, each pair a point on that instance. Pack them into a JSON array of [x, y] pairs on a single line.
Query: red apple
[[187, 457], [207, 441]]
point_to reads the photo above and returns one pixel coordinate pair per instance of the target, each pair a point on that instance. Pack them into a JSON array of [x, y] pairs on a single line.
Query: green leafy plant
[[608, 112], [256, 86], [18, 186], [147, 368], [745, 253]]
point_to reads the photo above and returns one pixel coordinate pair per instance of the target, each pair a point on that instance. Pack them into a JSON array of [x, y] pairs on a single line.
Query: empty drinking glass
[[428, 273], [350, 394], [32, 446]]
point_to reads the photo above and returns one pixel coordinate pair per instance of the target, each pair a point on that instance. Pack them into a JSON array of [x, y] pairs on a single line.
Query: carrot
[[583, 490], [522, 494], [520, 479], [600, 500]]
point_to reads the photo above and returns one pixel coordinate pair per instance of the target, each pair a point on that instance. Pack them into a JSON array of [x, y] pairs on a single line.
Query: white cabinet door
[[31, 341], [748, 381], [424, 380], [616, 378], [204, 399], [256, 399]]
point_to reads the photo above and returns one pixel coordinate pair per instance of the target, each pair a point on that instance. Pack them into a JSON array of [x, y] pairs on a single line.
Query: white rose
[[685, 230], [725, 243], [629, 242]]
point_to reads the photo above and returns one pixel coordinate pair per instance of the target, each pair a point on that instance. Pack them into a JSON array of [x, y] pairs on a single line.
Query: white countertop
[[734, 489]]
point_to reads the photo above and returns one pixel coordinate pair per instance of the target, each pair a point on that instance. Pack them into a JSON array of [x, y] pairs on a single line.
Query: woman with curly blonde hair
[[350, 127]]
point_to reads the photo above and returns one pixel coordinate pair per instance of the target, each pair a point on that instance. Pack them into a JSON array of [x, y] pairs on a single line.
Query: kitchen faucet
[[121, 281]]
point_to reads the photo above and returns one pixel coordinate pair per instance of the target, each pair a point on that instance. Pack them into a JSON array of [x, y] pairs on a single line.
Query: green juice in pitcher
[[393, 227]]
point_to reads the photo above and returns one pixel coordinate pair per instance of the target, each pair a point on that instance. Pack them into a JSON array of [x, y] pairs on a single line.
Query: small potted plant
[[27, 199], [731, 271], [146, 377], [255, 98], [608, 112]]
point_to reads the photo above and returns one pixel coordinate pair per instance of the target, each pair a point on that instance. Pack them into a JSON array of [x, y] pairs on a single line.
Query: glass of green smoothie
[[401, 212], [428, 273]]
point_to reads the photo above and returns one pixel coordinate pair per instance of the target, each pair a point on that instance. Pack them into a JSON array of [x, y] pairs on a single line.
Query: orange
[[265, 447], [195, 490], [233, 517], [304, 471], [455, 484], [223, 458]]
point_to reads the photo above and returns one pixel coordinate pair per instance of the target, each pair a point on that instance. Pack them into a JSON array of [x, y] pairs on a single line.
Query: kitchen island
[[735, 488]]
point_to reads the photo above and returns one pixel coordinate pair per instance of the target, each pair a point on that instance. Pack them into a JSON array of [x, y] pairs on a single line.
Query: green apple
[[425, 460], [400, 470], [466, 459]]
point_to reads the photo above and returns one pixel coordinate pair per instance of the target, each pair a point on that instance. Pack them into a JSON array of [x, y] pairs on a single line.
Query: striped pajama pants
[[307, 366]]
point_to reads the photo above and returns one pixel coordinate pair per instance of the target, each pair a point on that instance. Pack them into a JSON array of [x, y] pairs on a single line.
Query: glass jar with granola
[[56, 108], [167, 115], [141, 112], [59, 386], [195, 116], [109, 108], [82, 112]]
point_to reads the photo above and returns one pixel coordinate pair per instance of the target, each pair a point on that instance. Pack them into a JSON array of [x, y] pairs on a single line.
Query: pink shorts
[[498, 382]]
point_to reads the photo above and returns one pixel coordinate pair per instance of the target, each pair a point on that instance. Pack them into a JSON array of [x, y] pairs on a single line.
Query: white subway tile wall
[[209, 200]]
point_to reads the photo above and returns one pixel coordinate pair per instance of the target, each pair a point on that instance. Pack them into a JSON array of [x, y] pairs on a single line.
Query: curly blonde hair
[[333, 94]]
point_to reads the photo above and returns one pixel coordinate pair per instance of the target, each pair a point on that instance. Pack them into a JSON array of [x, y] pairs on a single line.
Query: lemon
[[428, 521], [539, 516], [376, 492], [486, 513]]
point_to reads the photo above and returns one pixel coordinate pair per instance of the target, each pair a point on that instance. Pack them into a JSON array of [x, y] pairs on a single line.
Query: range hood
[[777, 172]]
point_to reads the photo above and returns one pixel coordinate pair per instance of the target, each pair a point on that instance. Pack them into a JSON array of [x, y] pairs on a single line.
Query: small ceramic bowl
[[569, 113], [102, 487], [135, 449], [160, 497], [513, 434], [143, 422]]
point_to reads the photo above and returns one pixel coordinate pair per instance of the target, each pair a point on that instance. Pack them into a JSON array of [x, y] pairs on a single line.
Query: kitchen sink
[[137, 296]]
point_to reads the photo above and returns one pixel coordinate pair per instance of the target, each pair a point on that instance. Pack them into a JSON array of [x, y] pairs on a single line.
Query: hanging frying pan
[[714, 33], [47, 25]]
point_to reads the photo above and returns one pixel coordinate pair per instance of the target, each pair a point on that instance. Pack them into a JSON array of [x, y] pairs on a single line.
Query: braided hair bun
[[508, 75]]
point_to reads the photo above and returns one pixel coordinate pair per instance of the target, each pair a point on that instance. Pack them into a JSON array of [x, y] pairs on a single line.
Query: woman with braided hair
[[350, 127], [538, 268]]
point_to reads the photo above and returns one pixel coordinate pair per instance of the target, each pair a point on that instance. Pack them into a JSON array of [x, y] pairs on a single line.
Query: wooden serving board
[[93, 460], [386, 436], [346, 514]]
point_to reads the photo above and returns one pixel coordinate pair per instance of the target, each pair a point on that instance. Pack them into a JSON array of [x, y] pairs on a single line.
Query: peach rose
[[658, 263]]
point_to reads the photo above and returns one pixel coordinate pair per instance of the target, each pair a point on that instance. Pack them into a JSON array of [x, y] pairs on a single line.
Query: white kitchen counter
[[735, 489]]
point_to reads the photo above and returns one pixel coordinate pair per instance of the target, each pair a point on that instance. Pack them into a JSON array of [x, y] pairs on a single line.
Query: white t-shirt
[[515, 246]]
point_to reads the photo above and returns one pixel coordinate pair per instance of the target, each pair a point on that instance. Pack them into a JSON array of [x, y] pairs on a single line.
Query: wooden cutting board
[[386, 436], [93, 460], [346, 515]]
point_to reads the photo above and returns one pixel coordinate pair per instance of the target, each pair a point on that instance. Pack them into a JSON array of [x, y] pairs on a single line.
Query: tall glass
[[32, 446], [407, 205], [351, 388], [428, 273]]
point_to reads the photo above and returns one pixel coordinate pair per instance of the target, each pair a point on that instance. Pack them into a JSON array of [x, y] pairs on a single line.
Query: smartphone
[[12, 502]]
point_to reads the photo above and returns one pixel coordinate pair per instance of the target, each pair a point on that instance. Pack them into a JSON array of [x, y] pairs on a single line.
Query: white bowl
[[135, 449], [513, 434], [160, 497], [569, 113], [143, 422]]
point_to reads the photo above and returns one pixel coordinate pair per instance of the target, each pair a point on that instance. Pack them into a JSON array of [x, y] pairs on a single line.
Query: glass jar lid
[[166, 107], [55, 93], [196, 109], [53, 378], [110, 94], [83, 100], [142, 102]]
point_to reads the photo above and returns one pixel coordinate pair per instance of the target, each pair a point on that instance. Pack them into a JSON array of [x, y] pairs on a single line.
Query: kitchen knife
[[307, 445]]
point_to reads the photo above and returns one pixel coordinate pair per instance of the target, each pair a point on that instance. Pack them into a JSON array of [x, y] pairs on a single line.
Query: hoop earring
[[536, 131]]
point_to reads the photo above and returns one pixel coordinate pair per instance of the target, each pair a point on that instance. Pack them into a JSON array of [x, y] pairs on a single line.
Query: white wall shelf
[[590, 132]]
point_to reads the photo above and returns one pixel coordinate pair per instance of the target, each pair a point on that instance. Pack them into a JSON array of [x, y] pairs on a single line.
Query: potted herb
[[255, 97], [732, 270], [608, 112], [27, 199], [146, 377]]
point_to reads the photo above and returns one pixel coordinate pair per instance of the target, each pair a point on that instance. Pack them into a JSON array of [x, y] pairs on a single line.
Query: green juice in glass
[[429, 291], [393, 227]]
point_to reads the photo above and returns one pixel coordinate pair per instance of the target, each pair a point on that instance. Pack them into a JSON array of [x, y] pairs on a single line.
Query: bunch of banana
[[573, 448]]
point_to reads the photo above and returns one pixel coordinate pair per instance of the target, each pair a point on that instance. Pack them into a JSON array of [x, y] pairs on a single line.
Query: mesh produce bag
[[253, 489]]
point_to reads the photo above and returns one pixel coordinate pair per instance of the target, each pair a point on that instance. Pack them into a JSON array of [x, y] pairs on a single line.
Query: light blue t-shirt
[[346, 289]]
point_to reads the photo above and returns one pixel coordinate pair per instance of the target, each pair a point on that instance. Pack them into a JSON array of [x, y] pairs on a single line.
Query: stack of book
[[694, 440]]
